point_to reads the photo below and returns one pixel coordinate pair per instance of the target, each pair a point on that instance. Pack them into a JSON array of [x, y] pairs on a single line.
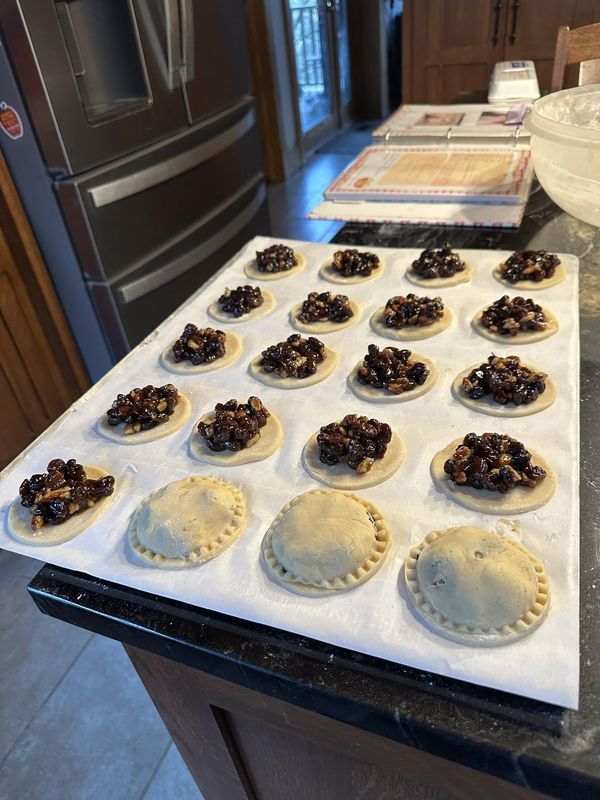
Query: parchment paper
[[375, 618]]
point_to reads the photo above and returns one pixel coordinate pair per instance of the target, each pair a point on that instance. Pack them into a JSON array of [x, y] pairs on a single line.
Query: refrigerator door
[[133, 306], [101, 79], [216, 64], [136, 209]]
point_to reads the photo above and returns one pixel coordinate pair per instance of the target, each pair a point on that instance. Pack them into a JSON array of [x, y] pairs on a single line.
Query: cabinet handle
[[513, 33], [497, 9]]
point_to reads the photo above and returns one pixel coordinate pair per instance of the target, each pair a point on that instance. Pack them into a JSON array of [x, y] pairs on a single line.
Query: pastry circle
[[177, 420], [559, 276], [324, 370], [476, 587], [463, 276], [410, 333], [253, 272], [187, 522], [340, 476], [19, 519], [325, 542], [233, 350], [271, 436], [487, 404], [516, 501], [324, 326], [523, 337], [328, 274], [265, 308], [374, 395]]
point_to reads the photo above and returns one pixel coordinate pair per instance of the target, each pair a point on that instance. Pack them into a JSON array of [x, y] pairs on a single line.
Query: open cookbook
[[474, 122], [436, 173]]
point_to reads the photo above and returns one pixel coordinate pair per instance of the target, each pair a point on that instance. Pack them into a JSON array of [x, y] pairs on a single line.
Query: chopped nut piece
[[139, 408], [441, 263], [349, 263], [235, 426], [493, 461], [199, 345], [392, 369], [276, 258], [529, 265], [62, 491], [295, 358], [509, 317], [506, 379], [325, 306], [356, 441], [412, 311], [240, 301]]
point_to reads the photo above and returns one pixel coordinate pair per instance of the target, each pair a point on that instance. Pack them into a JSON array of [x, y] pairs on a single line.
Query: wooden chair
[[578, 46]]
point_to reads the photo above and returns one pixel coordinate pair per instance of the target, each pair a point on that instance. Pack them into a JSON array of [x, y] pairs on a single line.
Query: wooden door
[[41, 372], [531, 31], [450, 46]]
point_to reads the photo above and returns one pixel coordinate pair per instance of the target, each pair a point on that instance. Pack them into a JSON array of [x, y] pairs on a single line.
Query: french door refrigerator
[[137, 156]]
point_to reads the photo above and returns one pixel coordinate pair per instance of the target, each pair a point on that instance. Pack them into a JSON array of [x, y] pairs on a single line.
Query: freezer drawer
[[128, 213], [133, 306], [101, 78]]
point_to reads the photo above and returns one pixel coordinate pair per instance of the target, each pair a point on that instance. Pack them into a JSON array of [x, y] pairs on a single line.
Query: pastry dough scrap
[[476, 587], [323, 542], [187, 522]]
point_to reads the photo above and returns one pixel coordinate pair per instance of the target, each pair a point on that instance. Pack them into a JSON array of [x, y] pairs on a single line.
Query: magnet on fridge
[[10, 121]]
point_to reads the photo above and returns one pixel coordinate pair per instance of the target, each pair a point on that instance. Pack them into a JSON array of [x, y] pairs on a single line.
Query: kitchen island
[[258, 713]]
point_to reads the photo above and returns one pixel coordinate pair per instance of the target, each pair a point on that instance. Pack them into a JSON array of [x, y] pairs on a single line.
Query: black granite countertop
[[535, 745]]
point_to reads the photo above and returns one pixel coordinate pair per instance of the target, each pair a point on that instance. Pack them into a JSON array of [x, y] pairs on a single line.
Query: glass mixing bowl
[[565, 146]]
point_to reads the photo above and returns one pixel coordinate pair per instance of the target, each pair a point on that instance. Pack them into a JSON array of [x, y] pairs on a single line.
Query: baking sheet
[[374, 618]]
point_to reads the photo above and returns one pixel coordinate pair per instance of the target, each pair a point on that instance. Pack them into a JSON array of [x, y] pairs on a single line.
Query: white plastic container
[[513, 80]]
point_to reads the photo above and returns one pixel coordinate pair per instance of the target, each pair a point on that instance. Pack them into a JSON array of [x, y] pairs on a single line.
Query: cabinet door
[[453, 45], [531, 30]]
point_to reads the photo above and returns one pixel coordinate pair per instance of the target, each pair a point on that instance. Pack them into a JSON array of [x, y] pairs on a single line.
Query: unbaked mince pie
[[142, 409], [508, 317], [494, 462], [391, 369], [353, 263], [234, 426], [240, 301], [506, 380], [64, 490], [276, 258], [296, 357], [325, 306], [401, 312], [356, 441], [199, 345], [529, 265], [441, 263]]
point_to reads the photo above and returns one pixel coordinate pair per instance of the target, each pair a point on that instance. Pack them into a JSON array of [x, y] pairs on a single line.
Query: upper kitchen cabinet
[[451, 46]]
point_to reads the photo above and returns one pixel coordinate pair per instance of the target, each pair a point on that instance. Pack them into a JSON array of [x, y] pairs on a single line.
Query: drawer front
[[126, 216], [144, 298]]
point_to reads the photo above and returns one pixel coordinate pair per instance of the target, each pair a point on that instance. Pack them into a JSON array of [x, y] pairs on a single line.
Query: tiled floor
[[75, 721]]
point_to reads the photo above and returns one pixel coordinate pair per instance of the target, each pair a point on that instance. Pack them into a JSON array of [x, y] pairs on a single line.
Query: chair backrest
[[576, 46]]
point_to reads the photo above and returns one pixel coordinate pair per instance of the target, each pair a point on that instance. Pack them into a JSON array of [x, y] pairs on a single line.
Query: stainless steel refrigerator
[[138, 159]]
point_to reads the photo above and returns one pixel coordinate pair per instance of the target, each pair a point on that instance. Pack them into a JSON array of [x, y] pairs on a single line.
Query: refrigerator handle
[[174, 44], [186, 17]]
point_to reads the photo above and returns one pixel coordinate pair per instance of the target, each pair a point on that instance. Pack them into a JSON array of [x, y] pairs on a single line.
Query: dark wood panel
[[38, 358], [15, 425], [457, 41], [242, 745]]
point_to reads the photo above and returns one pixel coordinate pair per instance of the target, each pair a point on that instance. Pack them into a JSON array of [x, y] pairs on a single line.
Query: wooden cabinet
[[41, 372], [451, 46]]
